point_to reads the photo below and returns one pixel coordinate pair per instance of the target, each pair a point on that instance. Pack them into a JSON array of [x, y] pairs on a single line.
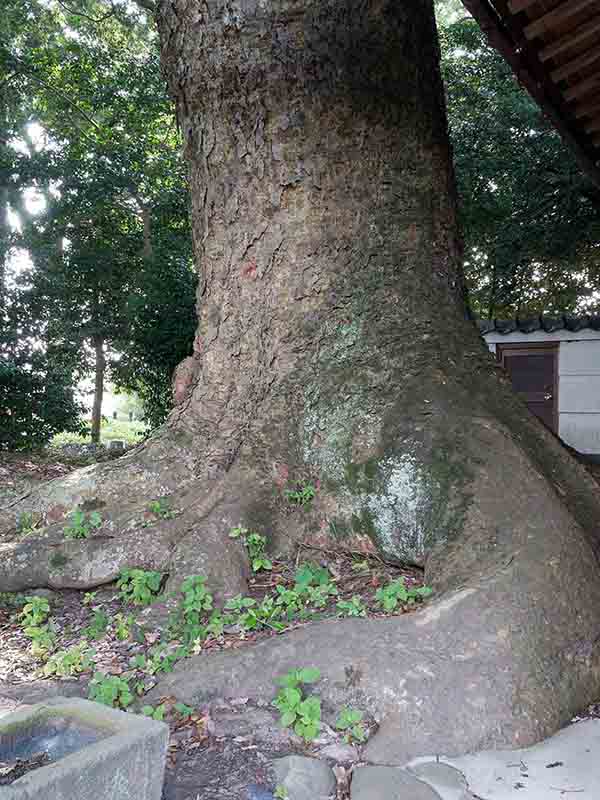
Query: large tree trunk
[[332, 349]]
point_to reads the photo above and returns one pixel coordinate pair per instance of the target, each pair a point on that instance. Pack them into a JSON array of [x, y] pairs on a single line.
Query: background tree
[[116, 210], [531, 219]]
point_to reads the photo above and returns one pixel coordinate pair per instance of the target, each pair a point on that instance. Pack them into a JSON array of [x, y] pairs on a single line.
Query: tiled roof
[[543, 323]]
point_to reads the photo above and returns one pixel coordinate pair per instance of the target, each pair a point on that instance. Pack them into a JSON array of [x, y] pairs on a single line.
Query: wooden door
[[533, 371]]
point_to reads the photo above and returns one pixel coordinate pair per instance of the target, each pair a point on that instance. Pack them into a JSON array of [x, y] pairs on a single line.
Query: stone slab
[[565, 765], [305, 778], [127, 763], [388, 783], [447, 781]]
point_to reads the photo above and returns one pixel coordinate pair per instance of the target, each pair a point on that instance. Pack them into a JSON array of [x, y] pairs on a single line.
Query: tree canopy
[[112, 218], [531, 219]]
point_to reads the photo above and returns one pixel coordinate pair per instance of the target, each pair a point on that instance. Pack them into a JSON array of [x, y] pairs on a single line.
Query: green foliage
[[110, 690], [157, 713], [110, 241], [12, 600], [98, 626], [81, 524], [123, 626], [42, 638], [529, 216], [67, 663], [35, 611], [36, 395], [191, 620], [161, 508], [139, 586], [314, 584], [350, 721], [256, 545], [302, 495], [251, 615], [281, 793], [159, 660], [89, 598], [396, 593], [27, 523], [33, 617], [183, 710], [353, 607], [301, 713]]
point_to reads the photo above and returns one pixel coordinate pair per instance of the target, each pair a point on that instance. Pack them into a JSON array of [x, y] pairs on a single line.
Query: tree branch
[[147, 5], [111, 13]]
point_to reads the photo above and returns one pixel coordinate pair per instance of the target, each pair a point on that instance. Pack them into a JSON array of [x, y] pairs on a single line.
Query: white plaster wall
[[578, 383]]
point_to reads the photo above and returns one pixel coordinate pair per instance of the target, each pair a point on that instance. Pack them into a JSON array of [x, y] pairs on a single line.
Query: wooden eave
[[553, 47]]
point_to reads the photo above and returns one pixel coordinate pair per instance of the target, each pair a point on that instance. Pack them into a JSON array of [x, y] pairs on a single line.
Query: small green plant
[[28, 523], [311, 575], [110, 690], [158, 660], [281, 793], [314, 585], [81, 524], [292, 604], [89, 598], [161, 508], [191, 619], [35, 612], [98, 626], [123, 627], [12, 600], [139, 586], [396, 593], [33, 617], [157, 713], [253, 616], [256, 545], [301, 713], [353, 607], [185, 712], [42, 638], [66, 663], [350, 721], [302, 495]]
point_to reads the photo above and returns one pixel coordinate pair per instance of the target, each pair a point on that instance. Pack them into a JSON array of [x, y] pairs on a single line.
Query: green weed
[[256, 545], [302, 495], [97, 627], [396, 593], [353, 607], [110, 690], [301, 713], [81, 524], [139, 586], [350, 721], [66, 663]]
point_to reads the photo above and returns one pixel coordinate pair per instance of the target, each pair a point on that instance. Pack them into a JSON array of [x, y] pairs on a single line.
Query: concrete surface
[[127, 764], [565, 765], [388, 783]]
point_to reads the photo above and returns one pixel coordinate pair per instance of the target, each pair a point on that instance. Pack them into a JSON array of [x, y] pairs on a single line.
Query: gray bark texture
[[332, 349]]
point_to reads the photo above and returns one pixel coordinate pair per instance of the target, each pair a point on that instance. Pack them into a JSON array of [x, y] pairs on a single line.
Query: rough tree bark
[[332, 348]]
